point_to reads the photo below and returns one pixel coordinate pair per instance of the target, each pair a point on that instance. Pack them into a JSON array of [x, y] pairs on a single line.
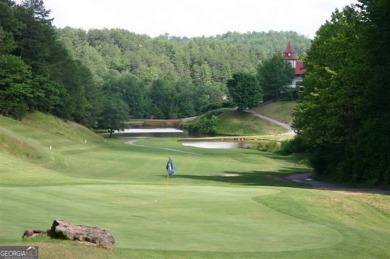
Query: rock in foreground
[[63, 230]]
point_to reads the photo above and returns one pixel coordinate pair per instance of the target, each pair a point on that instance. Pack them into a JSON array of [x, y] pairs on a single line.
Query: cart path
[[134, 143], [306, 179], [284, 125]]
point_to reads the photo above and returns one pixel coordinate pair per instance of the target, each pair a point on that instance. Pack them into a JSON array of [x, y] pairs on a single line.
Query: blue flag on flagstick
[[170, 167]]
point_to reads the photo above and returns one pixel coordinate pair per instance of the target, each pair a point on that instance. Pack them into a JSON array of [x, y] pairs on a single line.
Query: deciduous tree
[[343, 117], [15, 86], [274, 74], [115, 111], [245, 90]]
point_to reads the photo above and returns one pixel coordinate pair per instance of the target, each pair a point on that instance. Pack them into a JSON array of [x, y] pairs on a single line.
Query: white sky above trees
[[194, 17]]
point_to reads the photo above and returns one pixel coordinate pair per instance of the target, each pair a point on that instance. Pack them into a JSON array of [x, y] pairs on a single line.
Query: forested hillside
[[101, 77], [210, 60], [36, 71], [167, 76]]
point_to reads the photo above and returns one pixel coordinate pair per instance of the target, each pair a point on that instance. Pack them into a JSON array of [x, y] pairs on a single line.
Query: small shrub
[[269, 146], [205, 125], [295, 145], [215, 106]]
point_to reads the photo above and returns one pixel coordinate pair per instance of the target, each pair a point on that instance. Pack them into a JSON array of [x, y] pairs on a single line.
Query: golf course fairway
[[220, 203], [188, 218]]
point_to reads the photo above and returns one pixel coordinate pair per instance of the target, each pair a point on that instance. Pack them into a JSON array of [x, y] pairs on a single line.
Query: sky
[[194, 18]]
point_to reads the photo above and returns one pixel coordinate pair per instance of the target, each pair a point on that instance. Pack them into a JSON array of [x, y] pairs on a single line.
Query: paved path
[[284, 125], [306, 179]]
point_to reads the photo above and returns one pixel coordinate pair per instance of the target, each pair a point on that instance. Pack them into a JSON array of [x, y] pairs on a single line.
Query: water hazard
[[173, 132], [216, 144]]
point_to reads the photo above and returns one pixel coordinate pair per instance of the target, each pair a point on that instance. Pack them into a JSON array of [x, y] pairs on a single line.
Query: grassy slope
[[280, 110], [234, 123], [245, 124], [31, 148], [220, 204]]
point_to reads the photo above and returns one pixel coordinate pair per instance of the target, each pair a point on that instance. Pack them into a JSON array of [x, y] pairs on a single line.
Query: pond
[[151, 132], [217, 144], [173, 132], [156, 130]]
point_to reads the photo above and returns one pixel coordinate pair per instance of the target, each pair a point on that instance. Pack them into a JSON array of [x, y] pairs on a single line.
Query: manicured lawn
[[174, 218], [220, 203]]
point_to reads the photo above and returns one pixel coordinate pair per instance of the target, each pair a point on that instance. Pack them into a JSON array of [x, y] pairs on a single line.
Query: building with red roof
[[298, 65]]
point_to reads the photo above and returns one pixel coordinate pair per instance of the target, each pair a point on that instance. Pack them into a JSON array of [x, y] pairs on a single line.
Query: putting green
[[167, 217]]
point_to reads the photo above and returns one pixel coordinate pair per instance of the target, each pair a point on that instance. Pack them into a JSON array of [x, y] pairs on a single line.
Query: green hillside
[[279, 110], [83, 75], [20, 138], [232, 123], [34, 148]]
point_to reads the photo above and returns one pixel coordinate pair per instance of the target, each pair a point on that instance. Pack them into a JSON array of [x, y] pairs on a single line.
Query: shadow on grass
[[253, 178], [274, 179], [294, 158]]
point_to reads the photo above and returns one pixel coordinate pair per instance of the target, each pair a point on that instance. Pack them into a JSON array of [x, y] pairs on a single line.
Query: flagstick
[[166, 197]]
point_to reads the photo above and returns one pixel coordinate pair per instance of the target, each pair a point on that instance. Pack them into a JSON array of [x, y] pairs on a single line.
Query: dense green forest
[[343, 118], [98, 77]]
